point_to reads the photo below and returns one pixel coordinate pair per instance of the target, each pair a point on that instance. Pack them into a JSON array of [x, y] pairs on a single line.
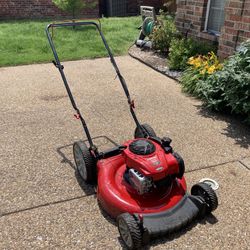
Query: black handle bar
[[60, 67]]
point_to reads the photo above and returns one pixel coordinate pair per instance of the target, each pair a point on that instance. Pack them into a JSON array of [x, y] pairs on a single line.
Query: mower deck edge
[[163, 223]]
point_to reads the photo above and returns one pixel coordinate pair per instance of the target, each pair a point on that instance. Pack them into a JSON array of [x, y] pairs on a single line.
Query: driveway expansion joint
[[211, 166], [242, 163], [83, 196], [45, 205]]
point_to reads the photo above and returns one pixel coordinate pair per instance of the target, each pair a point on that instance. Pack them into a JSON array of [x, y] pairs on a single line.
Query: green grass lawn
[[25, 42]]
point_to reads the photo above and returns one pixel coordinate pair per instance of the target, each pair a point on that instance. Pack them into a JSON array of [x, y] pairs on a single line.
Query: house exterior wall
[[236, 28], [14, 9], [191, 15]]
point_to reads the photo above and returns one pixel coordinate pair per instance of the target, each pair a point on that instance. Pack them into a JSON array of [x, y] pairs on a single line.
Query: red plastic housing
[[116, 196], [156, 165]]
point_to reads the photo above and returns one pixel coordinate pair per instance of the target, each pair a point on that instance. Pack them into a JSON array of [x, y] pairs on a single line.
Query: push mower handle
[[84, 23], [87, 23], [60, 67], [72, 24]]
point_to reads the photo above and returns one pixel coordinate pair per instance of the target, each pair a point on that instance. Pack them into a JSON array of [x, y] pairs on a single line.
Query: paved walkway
[[44, 204]]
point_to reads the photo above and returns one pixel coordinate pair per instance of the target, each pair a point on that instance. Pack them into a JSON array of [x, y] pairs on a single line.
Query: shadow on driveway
[[236, 129], [102, 142], [87, 189], [209, 219]]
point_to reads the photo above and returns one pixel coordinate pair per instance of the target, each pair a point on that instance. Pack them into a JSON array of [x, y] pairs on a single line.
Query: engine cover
[[149, 159]]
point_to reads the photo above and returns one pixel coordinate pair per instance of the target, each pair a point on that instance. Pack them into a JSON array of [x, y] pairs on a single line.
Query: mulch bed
[[154, 60]]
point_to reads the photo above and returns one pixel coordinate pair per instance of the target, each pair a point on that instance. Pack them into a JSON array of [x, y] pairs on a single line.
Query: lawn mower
[[140, 183]]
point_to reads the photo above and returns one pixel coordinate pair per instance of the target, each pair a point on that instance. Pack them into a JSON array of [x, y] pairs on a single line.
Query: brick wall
[[236, 28], [14, 9], [190, 19]]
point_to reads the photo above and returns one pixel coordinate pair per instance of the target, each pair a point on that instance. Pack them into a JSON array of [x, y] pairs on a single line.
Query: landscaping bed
[[222, 85], [154, 60]]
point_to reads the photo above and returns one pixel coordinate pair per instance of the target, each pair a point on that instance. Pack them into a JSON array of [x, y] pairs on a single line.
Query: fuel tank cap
[[142, 147]]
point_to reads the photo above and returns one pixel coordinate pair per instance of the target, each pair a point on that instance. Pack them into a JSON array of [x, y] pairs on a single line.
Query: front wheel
[[148, 129], [85, 162], [130, 231]]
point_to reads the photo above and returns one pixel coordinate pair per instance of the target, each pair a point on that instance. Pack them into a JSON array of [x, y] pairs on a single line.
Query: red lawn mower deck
[[139, 183]]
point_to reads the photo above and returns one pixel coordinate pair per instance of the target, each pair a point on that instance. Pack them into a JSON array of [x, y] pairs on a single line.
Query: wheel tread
[[89, 161], [213, 199], [134, 228], [148, 128]]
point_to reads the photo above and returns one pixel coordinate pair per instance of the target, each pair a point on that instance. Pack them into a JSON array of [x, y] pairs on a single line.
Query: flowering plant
[[206, 64], [200, 67]]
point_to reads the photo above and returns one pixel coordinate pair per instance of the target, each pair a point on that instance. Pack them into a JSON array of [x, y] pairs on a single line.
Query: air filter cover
[[142, 147]]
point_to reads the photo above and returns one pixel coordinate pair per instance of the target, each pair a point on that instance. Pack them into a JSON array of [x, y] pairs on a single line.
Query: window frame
[[216, 33]]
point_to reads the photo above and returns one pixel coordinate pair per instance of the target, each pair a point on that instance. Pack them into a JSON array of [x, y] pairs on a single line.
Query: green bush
[[189, 81], [163, 34], [229, 89], [182, 49], [200, 68], [73, 6], [168, 7]]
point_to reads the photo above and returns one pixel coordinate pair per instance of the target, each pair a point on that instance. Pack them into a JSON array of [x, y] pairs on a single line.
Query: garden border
[[164, 72]]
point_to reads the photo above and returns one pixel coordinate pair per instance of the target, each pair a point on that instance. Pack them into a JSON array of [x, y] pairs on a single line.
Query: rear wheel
[[130, 231], [208, 194], [150, 131], [85, 162]]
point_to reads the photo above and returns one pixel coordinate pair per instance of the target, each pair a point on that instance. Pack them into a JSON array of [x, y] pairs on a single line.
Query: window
[[215, 16]]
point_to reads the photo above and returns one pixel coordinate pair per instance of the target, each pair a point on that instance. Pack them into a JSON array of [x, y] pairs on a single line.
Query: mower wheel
[[130, 231], [84, 161], [207, 193], [149, 130]]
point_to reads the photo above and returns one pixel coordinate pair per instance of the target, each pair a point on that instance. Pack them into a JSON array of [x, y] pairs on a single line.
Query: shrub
[[73, 6], [200, 68], [229, 89], [169, 7], [182, 49], [163, 34]]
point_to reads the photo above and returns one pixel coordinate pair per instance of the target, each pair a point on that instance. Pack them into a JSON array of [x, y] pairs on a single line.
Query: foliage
[[73, 6], [206, 65], [182, 49], [200, 67], [169, 7], [163, 34], [229, 89], [166, 15]]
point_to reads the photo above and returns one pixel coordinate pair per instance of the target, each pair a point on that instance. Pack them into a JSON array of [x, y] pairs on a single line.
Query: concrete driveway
[[44, 203]]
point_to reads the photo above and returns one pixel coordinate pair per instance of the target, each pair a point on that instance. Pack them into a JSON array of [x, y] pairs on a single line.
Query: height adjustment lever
[[132, 104], [57, 65], [77, 116]]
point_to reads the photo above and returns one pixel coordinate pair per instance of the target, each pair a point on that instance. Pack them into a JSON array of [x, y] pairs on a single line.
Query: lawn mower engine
[[150, 164]]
